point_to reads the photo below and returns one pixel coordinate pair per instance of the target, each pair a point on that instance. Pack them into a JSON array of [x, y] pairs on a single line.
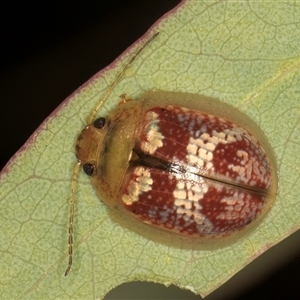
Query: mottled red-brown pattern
[[216, 189]]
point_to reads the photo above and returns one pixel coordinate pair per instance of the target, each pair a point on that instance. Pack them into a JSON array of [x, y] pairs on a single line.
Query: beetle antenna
[[71, 217], [91, 117], [78, 164]]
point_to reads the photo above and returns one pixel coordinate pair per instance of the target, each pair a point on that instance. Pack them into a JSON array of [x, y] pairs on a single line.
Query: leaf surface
[[243, 53]]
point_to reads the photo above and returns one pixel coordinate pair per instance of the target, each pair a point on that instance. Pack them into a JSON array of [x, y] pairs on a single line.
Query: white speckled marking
[[187, 205], [200, 151], [154, 139], [142, 183], [237, 206]]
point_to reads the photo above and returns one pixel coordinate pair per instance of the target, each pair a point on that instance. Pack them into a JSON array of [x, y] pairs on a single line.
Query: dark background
[[48, 49]]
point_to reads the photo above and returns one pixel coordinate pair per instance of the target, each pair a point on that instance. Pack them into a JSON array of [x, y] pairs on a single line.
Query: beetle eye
[[99, 123], [88, 169]]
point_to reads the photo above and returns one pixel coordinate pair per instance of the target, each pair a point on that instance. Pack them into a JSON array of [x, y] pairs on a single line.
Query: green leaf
[[243, 53]]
